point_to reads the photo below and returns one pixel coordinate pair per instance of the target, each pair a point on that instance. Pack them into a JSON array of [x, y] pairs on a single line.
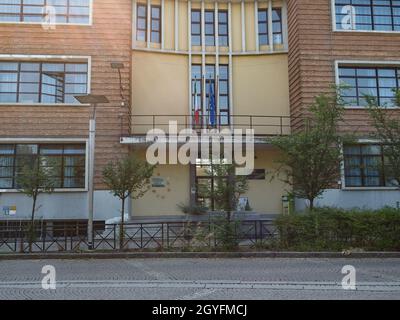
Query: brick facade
[[108, 39], [313, 49]]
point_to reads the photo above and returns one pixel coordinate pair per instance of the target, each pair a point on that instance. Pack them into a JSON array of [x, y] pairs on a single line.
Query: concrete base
[[61, 205], [203, 217], [350, 199]]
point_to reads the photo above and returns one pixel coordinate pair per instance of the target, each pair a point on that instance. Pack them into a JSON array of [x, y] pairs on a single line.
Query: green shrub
[[225, 233], [338, 229]]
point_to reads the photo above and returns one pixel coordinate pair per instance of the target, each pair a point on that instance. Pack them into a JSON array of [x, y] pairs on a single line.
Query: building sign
[[158, 182], [9, 210]]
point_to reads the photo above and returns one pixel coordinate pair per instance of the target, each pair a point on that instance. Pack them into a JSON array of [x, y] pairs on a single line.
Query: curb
[[187, 255]]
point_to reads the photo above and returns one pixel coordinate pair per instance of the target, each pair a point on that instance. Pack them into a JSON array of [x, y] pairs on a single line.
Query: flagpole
[[216, 98]]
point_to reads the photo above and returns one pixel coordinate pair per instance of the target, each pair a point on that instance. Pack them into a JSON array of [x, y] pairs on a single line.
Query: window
[[222, 101], [206, 182], [66, 11], [209, 26], [277, 25], [156, 24], [197, 89], [223, 36], [375, 81], [42, 82], [382, 15], [196, 28], [365, 166], [68, 162], [141, 22], [263, 26]]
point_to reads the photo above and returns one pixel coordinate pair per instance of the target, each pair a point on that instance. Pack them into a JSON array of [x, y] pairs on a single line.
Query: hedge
[[336, 229]]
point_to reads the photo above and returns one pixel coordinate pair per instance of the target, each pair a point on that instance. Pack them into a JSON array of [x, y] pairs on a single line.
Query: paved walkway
[[247, 278]]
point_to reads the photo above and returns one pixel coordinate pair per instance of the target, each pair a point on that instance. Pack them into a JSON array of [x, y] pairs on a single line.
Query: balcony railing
[[262, 125]]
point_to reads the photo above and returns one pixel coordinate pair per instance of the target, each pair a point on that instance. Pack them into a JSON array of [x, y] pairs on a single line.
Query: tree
[[227, 188], [311, 157], [36, 177], [127, 177], [387, 131]]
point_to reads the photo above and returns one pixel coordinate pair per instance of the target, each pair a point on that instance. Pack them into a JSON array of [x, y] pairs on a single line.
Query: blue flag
[[212, 105]]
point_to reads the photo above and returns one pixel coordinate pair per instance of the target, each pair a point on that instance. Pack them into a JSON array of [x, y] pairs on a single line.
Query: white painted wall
[[348, 199], [62, 205]]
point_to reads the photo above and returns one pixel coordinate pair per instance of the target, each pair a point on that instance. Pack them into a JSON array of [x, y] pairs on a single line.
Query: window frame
[[62, 144], [199, 23], [367, 65], [216, 85], [278, 9], [261, 22], [211, 179], [42, 59], [363, 176], [21, 21], [145, 17], [223, 35], [212, 24], [159, 19], [269, 24], [335, 29]]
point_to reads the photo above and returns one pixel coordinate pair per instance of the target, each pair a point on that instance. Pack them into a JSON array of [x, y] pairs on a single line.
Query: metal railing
[[262, 125], [136, 236]]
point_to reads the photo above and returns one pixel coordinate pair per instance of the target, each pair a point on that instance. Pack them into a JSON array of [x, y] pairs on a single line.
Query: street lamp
[[92, 100]]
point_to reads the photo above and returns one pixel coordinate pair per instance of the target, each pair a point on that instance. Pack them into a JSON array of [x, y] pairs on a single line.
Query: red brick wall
[[108, 39], [313, 48]]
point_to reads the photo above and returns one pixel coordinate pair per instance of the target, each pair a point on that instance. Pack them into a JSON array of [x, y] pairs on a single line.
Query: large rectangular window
[[155, 24], [223, 29], [365, 166], [213, 86], [141, 22], [39, 11], [378, 82], [42, 82], [196, 28], [67, 163], [264, 25], [381, 15]]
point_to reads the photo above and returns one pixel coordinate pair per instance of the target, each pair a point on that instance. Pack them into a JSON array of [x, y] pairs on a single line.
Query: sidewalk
[[153, 255]]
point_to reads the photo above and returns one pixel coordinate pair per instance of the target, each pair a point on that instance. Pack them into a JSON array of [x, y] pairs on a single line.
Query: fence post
[[162, 235], [115, 236]]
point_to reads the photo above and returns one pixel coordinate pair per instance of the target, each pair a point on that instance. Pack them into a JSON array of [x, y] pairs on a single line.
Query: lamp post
[[93, 100]]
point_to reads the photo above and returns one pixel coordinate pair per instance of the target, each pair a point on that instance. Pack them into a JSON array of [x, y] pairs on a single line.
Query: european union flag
[[212, 107]]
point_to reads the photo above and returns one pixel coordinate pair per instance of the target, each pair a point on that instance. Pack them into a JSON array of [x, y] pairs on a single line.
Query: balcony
[[263, 126]]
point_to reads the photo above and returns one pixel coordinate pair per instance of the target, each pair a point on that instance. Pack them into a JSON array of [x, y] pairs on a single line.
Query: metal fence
[[136, 236]]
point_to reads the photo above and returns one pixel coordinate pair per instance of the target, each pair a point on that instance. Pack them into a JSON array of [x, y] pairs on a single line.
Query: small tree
[[33, 179], [311, 157], [387, 131], [225, 192], [227, 188], [127, 177]]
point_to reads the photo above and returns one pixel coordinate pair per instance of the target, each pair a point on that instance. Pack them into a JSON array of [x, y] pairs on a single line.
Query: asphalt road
[[208, 279]]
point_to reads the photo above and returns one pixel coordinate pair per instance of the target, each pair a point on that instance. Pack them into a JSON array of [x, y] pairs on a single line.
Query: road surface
[[206, 279]]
